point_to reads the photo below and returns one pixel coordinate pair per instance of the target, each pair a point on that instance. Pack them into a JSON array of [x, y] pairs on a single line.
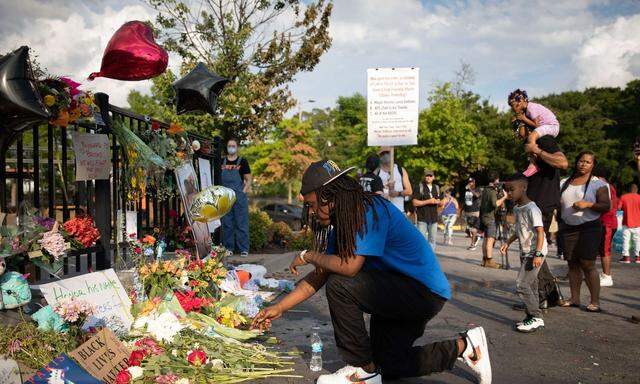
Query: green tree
[[283, 158], [249, 42], [449, 140]]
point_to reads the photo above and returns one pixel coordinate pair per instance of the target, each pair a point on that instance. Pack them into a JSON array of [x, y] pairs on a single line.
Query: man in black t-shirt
[[370, 181], [544, 190]]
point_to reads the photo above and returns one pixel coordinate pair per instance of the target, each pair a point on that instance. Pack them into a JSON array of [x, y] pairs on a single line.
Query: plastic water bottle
[[316, 351]]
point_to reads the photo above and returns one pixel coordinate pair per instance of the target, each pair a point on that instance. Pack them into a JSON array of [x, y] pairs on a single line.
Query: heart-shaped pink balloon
[[132, 54]]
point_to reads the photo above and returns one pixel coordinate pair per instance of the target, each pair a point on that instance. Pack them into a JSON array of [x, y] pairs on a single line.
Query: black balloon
[[20, 101], [198, 90]]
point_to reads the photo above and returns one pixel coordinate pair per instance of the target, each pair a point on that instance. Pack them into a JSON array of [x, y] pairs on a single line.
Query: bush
[[281, 234], [301, 240], [259, 224]]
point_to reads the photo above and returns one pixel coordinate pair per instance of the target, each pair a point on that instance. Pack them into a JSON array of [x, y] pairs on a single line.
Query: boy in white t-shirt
[[533, 250]]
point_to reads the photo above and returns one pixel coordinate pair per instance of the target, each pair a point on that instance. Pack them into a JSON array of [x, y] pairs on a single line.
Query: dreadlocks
[[575, 168], [348, 216]]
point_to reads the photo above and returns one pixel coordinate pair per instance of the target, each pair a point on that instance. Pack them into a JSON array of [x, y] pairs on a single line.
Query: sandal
[[569, 304], [593, 308]]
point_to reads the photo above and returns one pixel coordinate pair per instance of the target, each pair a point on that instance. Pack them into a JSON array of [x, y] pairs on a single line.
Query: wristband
[[302, 256], [537, 254]]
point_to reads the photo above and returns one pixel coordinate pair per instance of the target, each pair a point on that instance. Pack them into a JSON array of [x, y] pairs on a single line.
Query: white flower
[[182, 381], [217, 364], [162, 326], [195, 144], [135, 372], [174, 353]]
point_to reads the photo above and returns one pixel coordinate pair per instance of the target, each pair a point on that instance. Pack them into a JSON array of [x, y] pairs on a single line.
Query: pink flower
[[73, 310], [197, 357], [124, 377]]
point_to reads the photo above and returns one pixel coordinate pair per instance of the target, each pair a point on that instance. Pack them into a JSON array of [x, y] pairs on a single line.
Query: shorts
[[605, 241], [489, 229], [581, 242], [472, 220]]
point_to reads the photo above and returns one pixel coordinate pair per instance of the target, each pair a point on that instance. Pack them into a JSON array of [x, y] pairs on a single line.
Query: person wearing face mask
[[236, 175], [400, 189]]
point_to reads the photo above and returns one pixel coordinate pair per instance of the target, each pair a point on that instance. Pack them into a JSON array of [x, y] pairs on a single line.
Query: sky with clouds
[[542, 46]]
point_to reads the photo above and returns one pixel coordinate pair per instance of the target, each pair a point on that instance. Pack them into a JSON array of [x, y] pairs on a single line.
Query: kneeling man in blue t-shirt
[[373, 260]]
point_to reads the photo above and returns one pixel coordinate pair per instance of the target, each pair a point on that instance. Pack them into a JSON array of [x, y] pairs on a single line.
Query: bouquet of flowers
[[66, 102], [75, 313], [160, 277], [83, 230]]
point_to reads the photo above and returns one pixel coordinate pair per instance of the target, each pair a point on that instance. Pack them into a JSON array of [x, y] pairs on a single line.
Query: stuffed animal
[[15, 290]]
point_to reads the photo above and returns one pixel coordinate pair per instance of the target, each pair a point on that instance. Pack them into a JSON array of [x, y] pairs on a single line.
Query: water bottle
[[316, 351]]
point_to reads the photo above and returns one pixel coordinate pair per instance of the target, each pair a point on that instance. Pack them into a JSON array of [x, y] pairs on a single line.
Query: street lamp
[[300, 108]]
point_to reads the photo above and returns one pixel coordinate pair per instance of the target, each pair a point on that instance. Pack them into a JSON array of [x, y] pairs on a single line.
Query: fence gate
[[37, 169]]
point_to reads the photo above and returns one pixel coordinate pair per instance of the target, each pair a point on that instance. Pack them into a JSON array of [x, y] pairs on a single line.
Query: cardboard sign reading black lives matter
[[103, 356]]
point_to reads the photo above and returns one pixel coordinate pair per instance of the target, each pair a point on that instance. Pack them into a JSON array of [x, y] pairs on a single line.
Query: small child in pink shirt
[[534, 115]]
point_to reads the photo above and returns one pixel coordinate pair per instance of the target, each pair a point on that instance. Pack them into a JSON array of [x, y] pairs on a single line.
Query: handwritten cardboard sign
[[93, 156], [103, 289], [9, 372], [103, 356]]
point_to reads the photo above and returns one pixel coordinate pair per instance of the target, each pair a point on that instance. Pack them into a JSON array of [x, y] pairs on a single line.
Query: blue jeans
[[429, 230], [449, 221]]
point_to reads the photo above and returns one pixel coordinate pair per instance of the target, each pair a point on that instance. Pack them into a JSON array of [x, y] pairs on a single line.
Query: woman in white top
[[583, 199]]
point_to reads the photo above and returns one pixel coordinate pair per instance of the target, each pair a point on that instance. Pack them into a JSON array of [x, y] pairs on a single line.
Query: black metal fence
[[36, 167]]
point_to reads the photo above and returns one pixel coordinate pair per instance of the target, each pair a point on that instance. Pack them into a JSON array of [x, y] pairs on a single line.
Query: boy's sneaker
[[476, 355], [519, 323], [606, 280], [625, 260], [530, 325], [350, 375]]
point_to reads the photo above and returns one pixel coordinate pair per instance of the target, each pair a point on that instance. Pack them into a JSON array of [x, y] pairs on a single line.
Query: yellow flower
[[144, 271], [49, 100], [154, 266]]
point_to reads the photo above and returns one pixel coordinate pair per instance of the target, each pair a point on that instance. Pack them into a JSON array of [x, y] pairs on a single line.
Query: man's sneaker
[[606, 280], [531, 324], [476, 355], [472, 248], [625, 260], [349, 375], [244, 254]]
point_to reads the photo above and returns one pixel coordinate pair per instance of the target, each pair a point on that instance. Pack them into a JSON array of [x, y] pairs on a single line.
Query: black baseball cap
[[319, 174]]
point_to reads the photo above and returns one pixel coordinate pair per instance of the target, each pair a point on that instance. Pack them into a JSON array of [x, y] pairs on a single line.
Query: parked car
[[289, 213]]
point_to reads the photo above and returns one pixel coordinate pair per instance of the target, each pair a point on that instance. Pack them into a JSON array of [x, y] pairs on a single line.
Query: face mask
[[385, 159], [232, 150]]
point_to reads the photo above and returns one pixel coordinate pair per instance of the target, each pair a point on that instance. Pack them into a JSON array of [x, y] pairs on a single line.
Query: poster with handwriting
[[103, 356], [103, 289], [93, 156]]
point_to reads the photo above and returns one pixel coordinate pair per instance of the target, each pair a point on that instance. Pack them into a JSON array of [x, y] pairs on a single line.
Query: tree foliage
[[261, 45]]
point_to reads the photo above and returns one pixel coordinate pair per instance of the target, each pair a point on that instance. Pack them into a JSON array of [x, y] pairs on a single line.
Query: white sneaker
[[350, 375], [606, 280], [519, 323], [476, 355], [531, 324]]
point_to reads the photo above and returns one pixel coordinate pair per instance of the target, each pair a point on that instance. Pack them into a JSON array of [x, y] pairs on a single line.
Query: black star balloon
[[198, 90], [20, 101]]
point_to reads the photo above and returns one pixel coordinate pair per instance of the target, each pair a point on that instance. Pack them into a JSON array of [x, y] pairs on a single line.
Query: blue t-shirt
[[394, 244]]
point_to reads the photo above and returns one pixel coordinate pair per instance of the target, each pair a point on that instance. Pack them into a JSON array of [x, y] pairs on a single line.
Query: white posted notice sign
[[392, 106]]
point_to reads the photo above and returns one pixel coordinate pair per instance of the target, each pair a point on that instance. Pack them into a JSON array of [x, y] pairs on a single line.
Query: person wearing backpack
[[426, 199]]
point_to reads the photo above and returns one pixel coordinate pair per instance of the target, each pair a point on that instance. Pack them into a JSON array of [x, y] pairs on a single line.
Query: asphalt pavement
[[575, 347]]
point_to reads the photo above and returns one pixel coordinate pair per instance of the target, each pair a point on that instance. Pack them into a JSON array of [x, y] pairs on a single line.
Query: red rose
[[137, 250], [197, 357], [155, 126], [124, 377], [136, 357]]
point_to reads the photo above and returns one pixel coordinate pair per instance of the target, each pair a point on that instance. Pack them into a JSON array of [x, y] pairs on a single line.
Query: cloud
[[71, 39], [610, 57]]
